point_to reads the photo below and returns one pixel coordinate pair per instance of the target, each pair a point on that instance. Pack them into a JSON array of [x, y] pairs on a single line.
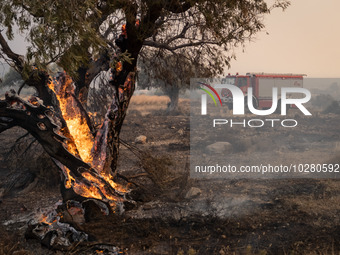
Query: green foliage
[[72, 32], [199, 42], [122, 57], [171, 73], [209, 30], [57, 30]]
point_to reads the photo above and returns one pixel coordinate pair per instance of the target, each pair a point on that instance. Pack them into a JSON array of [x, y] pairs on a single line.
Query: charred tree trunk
[[86, 74], [43, 124], [44, 117], [47, 122], [172, 91], [113, 122], [174, 96]]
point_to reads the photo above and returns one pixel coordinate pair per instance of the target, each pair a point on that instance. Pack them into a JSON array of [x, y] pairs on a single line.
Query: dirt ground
[[176, 215]]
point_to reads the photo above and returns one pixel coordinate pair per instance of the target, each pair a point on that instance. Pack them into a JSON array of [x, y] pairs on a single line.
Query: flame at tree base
[[94, 182]]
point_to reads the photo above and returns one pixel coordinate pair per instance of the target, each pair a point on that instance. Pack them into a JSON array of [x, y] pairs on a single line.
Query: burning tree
[[87, 38]]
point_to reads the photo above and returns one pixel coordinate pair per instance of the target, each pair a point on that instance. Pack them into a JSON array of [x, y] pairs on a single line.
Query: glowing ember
[[50, 218], [44, 220], [119, 67]]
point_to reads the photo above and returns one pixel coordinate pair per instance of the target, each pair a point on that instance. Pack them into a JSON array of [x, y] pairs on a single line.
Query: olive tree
[[88, 37]]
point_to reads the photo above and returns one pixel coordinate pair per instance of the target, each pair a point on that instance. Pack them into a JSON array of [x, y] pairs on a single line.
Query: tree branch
[[41, 123], [173, 48], [181, 34], [16, 58], [178, 6]]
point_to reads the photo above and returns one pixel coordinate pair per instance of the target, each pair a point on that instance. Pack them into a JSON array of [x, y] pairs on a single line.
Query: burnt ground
[[238, 216]]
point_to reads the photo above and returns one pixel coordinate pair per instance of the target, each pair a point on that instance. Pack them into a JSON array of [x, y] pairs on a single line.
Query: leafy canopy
[[71, 32]]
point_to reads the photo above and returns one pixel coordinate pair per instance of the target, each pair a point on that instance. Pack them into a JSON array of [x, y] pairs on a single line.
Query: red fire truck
[[262, 84]]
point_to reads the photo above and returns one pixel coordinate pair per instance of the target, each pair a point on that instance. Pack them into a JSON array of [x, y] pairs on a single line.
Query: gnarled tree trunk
[[50, 122]]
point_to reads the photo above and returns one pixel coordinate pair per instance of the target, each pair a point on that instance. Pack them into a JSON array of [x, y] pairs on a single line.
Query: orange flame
[[80, 144], [44, 220], [78, 128], [119, 67], [48, 220]]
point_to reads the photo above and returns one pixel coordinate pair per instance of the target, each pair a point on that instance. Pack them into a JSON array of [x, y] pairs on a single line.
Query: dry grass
[[157, 169], [324, 202], [149, 100], [163, 173], [146, 104], [10, 245]]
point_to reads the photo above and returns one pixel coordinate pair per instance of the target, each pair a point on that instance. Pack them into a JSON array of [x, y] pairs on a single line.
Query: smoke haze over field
[[320, 83]]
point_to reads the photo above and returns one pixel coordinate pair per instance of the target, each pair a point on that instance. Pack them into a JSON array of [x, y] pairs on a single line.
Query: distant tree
[[10, 78], [322, 101], [87, 37], [333, 107], [171, 73], [334, 88]]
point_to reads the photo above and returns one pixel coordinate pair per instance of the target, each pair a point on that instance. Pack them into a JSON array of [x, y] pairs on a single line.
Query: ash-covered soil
[[176, 215]]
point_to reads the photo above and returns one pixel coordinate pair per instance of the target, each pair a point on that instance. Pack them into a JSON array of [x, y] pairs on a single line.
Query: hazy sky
[[303, 39]]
